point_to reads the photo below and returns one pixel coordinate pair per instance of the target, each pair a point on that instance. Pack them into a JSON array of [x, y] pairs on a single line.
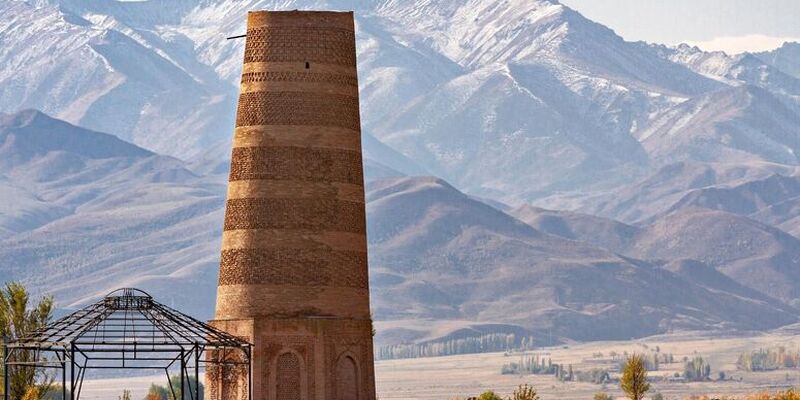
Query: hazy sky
[[730, 25]]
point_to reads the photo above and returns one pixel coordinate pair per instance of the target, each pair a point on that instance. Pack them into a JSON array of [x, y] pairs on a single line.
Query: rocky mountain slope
[[445, 256], [786, 58], [127, 216], [517, 100]]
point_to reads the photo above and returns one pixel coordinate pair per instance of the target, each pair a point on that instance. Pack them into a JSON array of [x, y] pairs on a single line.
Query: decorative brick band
[[296, 163], [297, 136], [298, 108], [255, 301], [297, 267], [293, 239], [304, 77], [295, 189], [302, 44], [322, 214]]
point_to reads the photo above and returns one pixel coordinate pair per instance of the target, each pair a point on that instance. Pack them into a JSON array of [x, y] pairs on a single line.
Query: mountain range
[[526, 167]]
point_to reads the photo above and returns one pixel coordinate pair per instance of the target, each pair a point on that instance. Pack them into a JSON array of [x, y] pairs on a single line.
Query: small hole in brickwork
[[308, 65]]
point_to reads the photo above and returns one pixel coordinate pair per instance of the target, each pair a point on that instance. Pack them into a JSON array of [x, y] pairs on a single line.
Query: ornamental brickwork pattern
[[298, 108], [296, 163], [304, 44], [304, 77], [318, 214], [300, 267]]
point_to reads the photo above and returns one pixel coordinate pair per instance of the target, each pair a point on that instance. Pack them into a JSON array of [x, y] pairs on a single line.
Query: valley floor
[[448, 377], [464, 375]]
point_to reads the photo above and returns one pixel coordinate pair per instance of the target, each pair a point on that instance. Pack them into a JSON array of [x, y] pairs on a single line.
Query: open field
[[448, 377]]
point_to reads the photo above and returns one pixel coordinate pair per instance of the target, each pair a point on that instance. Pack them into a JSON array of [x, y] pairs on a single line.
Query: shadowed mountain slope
[[445, 256]]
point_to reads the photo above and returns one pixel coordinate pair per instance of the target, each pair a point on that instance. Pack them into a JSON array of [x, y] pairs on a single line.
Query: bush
[[596, 375], [525, 392], [489, 395]]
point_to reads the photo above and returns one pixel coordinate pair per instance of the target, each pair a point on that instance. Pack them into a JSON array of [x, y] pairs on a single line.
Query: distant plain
[[460, 376]]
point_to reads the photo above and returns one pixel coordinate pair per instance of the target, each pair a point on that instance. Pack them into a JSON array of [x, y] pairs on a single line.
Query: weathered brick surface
[[296, 163], [293, 273]]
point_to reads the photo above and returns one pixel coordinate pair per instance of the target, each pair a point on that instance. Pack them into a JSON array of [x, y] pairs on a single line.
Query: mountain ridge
[[598, 144]]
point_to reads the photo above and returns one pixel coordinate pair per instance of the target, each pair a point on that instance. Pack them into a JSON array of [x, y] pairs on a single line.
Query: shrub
[[489, 395], [658, 396], [525, 392]]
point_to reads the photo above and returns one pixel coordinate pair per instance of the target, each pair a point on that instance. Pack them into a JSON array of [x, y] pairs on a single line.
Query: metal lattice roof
[[128, 320], [127, 329]]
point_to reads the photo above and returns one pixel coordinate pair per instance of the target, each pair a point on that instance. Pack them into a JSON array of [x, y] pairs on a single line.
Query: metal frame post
[[197, 372], [183, 368], [72, 371], [6, 384], [250, 372], [64, 375]]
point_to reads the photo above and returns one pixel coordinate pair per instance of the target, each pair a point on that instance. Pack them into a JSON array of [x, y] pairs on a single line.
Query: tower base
[[299, 359]]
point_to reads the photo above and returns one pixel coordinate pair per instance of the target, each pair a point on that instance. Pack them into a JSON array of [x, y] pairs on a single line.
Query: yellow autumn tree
[[634, 378]]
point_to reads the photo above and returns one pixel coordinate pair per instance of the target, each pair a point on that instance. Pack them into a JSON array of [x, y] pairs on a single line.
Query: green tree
[[525, 392], [489, 395], [18, 320], [658, 396], [697, 370], [634, 378], [55, 393], [190, 382], [157, 392]]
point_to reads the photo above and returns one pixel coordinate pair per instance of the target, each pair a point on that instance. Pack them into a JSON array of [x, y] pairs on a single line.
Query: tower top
[[317, 19]]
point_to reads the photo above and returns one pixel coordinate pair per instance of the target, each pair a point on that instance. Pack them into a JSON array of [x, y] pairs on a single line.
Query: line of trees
[[651, 362], [536, 365], [492, 342], [633, 382], [697, 370], [768, 359], [531, 365]]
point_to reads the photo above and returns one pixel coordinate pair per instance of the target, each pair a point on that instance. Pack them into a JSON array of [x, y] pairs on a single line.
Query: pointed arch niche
[[347, 378]]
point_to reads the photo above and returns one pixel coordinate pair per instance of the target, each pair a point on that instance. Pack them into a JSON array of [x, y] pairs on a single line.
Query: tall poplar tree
[[18, 320], [634, 378]]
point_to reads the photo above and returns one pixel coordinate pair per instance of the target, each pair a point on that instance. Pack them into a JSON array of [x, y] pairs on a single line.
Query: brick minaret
[[293, 275]]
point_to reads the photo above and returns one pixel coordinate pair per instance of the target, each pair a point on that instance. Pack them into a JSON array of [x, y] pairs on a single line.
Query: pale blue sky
[[730, 25]]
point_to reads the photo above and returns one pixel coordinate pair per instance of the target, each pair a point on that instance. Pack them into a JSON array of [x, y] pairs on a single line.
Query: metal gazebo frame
[[127, 330]]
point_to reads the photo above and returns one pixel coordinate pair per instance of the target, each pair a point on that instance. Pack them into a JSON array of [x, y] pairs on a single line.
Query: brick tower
[[293, 275]]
